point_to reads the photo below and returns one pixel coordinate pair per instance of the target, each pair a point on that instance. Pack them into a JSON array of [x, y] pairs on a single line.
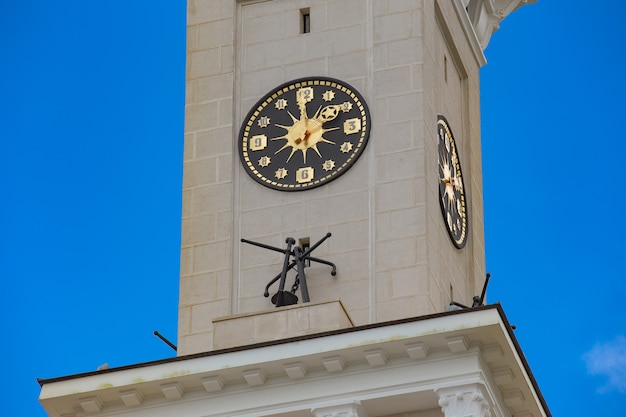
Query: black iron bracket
[[477, 301], [301, 259]]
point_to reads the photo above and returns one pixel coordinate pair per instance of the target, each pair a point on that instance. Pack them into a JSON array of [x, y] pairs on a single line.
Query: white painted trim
[[379, 368]]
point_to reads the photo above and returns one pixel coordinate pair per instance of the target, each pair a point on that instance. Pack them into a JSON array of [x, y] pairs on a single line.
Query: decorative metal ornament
[[304, 134], [301, 259], [451, 188]]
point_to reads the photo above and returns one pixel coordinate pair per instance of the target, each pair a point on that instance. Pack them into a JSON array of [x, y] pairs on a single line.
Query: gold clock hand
[[302, 106], [322, 115], [327, 114], [303, 96], [303, 118]]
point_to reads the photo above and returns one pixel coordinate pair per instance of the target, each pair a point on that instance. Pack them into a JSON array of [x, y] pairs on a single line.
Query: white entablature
[[450, 364]]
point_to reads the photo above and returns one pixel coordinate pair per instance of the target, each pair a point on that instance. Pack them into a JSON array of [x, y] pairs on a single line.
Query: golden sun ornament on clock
[[304, 134], [451, 188]]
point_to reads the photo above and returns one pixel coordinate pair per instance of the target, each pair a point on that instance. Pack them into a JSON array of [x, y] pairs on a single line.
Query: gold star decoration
[[346, 106], [281, 103], [265, 161], [264, 121], [329, 95], [281, 173], [346, 147]]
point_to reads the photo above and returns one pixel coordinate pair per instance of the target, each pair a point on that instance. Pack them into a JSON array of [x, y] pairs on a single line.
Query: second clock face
[[451, 189], [303, 134]]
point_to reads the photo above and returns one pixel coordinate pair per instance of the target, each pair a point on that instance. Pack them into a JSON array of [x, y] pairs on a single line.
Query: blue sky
[[553, 146], [91, 126]]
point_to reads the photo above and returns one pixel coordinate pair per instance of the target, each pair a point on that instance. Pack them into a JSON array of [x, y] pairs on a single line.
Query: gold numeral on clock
[[305, 94], [264, 121], [281, 103], [304, 175], [351, 126], [346, 147], [258, 142], [280, 173], [264, 161], [328, 95]]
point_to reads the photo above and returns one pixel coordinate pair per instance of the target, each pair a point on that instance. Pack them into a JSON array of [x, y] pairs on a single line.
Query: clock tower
[[348, 117], [332, 212]]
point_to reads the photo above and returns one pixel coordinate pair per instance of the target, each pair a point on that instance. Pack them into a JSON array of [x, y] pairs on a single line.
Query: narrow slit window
[[445, 68], [305, 20]]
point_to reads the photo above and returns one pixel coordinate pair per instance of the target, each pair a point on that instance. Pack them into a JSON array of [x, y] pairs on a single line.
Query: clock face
[[451, 189], [304, 133]]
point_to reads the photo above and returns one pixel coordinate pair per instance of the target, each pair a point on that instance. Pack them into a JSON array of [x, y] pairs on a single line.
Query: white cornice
[[388, 369]]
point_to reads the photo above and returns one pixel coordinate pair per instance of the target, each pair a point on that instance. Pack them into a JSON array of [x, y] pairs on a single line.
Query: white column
[[464, 401], [354, 409]]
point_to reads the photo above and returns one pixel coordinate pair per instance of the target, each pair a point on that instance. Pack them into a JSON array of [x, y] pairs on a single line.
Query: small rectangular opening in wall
[[445, 68], [305, 19], [305, 244]]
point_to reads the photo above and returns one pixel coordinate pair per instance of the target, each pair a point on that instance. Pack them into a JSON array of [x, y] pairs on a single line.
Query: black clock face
[[451, 189], [303, 134]]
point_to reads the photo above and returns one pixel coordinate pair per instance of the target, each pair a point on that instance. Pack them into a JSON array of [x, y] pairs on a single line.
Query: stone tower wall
[[411, 60]]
